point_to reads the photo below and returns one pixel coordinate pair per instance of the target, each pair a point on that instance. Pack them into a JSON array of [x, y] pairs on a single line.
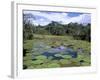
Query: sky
[[44, 17]]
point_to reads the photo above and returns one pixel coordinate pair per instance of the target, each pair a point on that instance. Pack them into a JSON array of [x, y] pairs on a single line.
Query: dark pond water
[[53, 51], [58, 50]]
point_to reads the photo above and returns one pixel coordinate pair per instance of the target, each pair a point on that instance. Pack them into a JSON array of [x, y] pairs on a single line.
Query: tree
[[55, 28], [27, 29]]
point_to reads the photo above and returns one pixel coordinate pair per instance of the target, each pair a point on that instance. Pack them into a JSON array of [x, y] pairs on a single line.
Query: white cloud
[[59, 17]]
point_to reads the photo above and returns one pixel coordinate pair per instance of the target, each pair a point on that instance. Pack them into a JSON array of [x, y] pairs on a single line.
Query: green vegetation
[[52, 37], [44, 62]]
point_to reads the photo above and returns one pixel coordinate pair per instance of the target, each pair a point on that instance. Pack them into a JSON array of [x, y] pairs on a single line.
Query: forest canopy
[[76, 30]]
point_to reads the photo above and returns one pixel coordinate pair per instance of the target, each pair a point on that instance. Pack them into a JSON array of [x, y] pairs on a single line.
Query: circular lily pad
[[53, 65], [41, 57]]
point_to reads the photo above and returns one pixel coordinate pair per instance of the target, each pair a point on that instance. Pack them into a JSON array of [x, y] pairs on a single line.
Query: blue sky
[[73, 14], [44, 17]]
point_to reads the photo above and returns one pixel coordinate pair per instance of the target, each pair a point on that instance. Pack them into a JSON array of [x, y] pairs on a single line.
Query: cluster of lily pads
[[45, 56]]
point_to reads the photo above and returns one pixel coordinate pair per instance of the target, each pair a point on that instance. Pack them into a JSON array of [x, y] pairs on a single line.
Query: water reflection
[[50, 51]]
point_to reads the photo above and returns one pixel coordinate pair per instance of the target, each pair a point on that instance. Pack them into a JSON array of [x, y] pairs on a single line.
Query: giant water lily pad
[[66, 56], [53, 65], [58, 55], [41, 57], [37, 62], [64, 61]]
